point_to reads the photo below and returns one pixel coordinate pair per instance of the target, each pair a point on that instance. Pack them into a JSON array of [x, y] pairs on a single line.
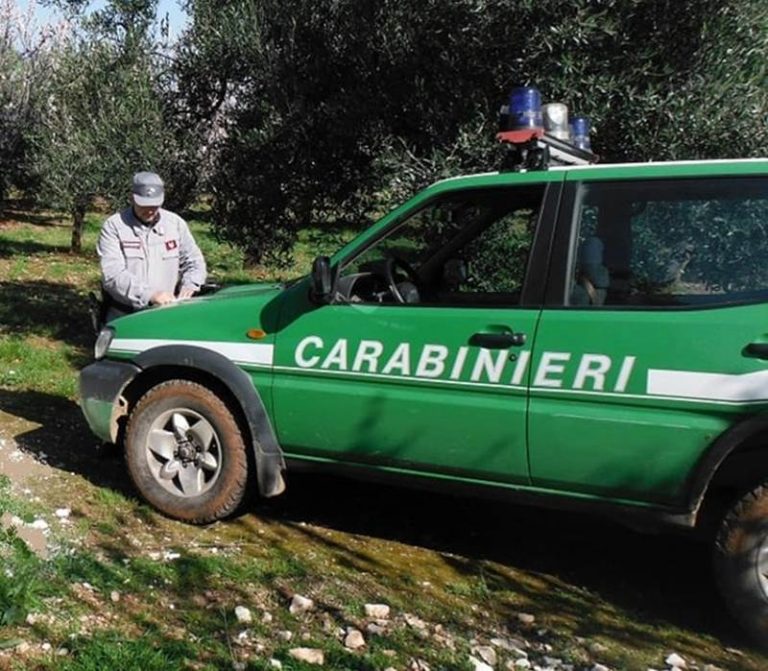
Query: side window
[[671, 242], [463, 248]]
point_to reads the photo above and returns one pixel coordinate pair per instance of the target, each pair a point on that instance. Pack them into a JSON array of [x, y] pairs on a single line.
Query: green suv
[[583, 336]]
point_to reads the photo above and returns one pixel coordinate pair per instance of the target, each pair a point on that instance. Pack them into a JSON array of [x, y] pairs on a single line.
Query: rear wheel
[[741, 562], [185, 452]]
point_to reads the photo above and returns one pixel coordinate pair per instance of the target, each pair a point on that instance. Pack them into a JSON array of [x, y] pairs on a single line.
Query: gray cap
[[147, 188]]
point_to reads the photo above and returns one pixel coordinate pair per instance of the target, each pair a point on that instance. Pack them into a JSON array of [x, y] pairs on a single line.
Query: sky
[[177, 18]]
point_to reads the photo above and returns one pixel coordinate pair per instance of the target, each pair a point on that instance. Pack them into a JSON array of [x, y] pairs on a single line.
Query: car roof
[[698, 168]]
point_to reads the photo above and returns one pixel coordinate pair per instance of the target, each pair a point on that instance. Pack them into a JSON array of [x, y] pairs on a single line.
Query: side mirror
[[321, 281]]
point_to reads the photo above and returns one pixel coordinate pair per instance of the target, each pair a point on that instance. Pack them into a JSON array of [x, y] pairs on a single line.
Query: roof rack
[[534, 149]]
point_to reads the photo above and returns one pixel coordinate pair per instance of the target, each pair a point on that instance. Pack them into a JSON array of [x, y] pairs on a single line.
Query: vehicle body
[[580, 336]]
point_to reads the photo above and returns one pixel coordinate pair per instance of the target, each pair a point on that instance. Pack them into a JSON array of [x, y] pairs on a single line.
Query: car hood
[[227, 315]]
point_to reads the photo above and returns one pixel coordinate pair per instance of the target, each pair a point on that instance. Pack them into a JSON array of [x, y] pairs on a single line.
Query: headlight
[[103, 342]]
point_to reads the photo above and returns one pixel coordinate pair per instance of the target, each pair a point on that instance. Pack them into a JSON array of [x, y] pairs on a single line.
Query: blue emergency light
[[521, 118], [580, 127], [525, 109]]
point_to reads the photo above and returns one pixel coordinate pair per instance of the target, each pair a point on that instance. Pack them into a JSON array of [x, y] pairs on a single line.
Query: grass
[[124, 588]]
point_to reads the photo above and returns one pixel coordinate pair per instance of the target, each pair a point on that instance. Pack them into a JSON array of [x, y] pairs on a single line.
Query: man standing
[[148, 255]]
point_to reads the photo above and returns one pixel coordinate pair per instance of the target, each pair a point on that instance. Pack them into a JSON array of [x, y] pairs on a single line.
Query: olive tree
[[26, 53], [326, 110], [107, 115]]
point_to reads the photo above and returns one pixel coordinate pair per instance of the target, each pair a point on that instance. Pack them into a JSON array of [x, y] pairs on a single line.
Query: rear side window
[[670, 242]]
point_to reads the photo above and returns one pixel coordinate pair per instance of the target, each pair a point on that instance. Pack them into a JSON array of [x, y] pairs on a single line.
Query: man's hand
[[186, 292], [161, 298]]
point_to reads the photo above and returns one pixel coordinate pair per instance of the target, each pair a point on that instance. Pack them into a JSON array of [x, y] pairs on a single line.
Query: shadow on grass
[[60, 436], [11, 248], [48, 309], [614, 582], [25, 216]]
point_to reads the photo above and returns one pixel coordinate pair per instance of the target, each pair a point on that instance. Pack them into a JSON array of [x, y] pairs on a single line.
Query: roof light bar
[[541, 136]]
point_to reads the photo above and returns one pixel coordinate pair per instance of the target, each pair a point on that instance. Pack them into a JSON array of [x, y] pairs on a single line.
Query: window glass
[[470, 246], [671, 242]]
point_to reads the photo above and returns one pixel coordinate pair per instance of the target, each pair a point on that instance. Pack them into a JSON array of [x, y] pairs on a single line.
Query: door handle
[[497, 340], [757, 350]]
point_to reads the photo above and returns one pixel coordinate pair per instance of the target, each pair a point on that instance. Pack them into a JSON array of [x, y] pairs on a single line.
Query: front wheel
[[741, 562], [185, 452]]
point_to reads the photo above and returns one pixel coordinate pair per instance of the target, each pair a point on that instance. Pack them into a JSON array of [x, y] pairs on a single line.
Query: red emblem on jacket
[[170, 245]]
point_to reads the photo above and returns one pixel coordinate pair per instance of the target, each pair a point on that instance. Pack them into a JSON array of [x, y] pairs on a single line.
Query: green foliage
[[25, 65], [331, 111], [107, 116], [113, 650], [21, 581]]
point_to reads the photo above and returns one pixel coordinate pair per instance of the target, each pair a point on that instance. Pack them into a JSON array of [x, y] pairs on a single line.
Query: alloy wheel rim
[[183, 452]]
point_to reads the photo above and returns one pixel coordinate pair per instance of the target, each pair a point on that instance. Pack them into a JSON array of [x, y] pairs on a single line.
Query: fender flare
[[270, 462], [725, 444]]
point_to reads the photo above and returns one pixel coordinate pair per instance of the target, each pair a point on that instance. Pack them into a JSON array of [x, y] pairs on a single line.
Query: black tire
[[741, 562], [185, 452]]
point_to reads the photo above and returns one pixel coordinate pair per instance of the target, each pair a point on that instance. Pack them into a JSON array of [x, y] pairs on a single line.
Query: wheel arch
[[222, 376], [735, 462]]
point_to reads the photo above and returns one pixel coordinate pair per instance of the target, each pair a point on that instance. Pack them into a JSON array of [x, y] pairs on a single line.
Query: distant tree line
[[290, 113]]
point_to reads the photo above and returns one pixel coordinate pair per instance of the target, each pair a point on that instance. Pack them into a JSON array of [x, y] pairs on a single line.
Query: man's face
[[146, 213]]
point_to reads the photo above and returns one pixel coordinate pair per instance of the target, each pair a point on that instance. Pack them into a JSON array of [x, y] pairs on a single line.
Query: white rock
[[526, 618], [375, 629], [275, 663], [377, 611], [354, 639], [300, 604], [63, 513], [285, 635], [479, 665], [521, 663], [676, 661], [415, 622], [45, 647], [114, 596], [486, 653], [243, 615], [266, 617], [597, 648], [308, 655], [39, 523], [419, 665], [502, 643], [600, 667]]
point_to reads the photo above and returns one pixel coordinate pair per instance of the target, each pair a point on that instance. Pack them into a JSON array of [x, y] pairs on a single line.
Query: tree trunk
[[78, 221]]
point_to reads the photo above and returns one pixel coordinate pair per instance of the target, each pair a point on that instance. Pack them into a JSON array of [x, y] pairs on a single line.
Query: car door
[[654, 338], [438, 383]]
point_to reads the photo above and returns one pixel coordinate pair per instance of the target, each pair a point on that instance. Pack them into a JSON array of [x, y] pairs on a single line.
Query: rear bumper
[[101, 384]]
